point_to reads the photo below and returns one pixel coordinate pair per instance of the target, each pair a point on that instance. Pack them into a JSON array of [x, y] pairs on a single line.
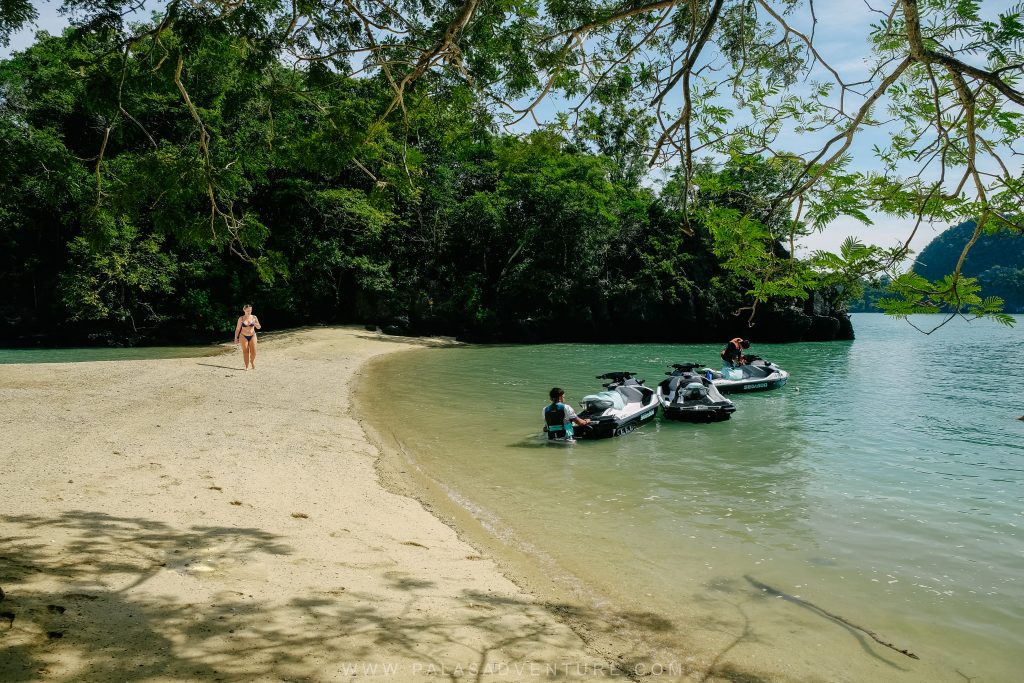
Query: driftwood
[[811, 606]]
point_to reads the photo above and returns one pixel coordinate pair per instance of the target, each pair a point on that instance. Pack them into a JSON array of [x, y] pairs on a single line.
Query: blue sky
[[842, 38]]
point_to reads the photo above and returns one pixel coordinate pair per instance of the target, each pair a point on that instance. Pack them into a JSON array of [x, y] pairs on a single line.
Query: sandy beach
[[173, 520]]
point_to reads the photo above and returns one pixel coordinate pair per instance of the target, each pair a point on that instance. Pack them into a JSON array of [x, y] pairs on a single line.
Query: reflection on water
[[882, 485]]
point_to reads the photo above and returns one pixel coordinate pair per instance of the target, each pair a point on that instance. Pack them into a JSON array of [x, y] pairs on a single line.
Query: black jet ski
[[689, 396], [624, 405], [757, 374]]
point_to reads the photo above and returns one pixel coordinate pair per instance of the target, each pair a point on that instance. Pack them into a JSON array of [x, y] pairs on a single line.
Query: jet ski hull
[[697, 414], [625, 405], [759, 375], [727, 386], [704, 404], [608, 426]]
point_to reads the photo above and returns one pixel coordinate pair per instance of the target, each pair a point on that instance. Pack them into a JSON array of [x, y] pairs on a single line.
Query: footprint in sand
[[169, 484]]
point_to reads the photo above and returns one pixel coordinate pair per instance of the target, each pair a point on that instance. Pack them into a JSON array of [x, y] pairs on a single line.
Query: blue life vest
[[555, 424]]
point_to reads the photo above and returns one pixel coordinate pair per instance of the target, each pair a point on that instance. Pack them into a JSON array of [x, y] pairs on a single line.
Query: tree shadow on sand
[[77, 609], [83, 603], [76, 600]]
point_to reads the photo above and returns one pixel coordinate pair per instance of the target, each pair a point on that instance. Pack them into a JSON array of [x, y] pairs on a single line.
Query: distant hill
[[996, 260], [868, 301]]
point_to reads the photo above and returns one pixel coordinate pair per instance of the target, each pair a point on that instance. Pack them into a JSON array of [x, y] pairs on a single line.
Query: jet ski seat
[[694, 391], [603, 400], [631, 394]]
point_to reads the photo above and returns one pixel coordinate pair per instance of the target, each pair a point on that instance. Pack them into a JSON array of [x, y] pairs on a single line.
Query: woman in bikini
[[245, 333]]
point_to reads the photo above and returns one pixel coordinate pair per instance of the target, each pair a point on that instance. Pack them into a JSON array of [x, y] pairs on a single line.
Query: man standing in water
[[559, 417], [732, 354]]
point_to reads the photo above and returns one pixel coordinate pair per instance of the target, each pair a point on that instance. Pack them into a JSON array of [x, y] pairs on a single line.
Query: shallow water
[[89, 354], [880, 494]]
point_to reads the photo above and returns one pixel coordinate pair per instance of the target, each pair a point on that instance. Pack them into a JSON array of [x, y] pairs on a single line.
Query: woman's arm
[[238, 328], [257, 321]]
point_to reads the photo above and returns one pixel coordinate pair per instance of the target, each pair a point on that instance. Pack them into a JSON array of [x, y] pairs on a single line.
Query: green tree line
[[346, 162], [152, 190]]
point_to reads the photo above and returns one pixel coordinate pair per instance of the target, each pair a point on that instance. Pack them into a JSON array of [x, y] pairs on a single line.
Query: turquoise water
[[81, 355], [881, 491]]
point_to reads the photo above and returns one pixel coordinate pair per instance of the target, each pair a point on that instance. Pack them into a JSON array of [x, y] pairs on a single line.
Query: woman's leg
[[252, 352], [245, 350]]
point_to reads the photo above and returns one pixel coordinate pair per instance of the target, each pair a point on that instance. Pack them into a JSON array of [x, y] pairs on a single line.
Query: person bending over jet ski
[[559, 417], [732, 354]]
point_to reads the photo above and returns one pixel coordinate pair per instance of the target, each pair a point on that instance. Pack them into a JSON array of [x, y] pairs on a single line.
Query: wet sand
[[181, 519]]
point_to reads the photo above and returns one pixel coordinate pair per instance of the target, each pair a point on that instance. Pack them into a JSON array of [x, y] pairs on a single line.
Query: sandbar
[[180, 519]]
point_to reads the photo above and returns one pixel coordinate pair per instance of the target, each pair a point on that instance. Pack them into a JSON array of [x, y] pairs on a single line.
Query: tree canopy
[[178, 127]]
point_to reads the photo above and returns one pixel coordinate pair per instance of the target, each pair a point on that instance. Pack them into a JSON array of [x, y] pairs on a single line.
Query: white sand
[[180, 519]]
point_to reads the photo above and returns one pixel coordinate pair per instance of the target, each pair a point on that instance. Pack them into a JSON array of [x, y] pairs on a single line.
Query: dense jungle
[[375, 164], [442, 225]]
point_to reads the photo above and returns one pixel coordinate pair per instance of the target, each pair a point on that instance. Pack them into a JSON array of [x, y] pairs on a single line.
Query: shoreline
[[624, 634], [718, 627], [182, 520]]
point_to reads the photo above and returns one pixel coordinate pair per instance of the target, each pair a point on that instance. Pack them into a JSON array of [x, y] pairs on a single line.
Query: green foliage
[[850, 272], [346, 164], [14, 14], [120, 283], [958, 294], [995, 261], [196, 109]]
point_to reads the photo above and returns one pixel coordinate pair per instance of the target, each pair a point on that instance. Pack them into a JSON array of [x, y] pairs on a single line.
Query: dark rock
[[823, 328], [398, 325]]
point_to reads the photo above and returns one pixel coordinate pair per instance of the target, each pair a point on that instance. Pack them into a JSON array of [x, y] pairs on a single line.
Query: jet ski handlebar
[[616, 376], [619, 378], [685, 367]]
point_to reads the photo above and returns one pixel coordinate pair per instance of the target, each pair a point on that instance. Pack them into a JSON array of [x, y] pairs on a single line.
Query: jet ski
[[624, 405], [757, 374], [689, 396]]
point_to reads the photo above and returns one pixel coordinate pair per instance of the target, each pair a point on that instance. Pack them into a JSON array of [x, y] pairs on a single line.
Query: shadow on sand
[[222, 367], [79, 609]]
